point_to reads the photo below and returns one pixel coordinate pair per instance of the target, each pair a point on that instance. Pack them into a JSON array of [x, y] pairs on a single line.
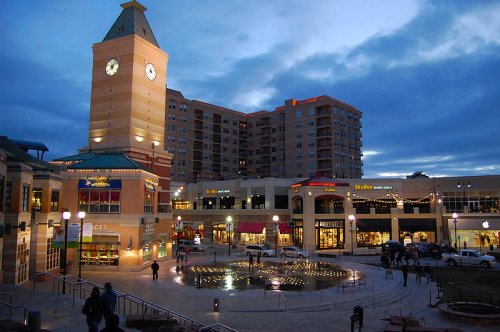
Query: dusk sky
[[425, 74]]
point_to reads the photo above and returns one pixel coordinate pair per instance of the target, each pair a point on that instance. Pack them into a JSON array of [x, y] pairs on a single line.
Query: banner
[[73, 236], [87, 232]]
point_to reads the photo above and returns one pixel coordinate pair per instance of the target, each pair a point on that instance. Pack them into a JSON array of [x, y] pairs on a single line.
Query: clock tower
[[127, 107]]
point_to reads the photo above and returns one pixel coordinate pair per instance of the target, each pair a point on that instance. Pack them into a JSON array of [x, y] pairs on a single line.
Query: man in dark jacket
[[155, 267], [94, 308]]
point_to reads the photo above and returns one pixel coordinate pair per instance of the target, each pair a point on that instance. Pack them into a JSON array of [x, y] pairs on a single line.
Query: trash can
[[216, 305], [359, 310], [35, 319]]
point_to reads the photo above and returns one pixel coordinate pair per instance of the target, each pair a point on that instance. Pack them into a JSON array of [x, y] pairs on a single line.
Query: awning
[[284, 228], [250, 227]]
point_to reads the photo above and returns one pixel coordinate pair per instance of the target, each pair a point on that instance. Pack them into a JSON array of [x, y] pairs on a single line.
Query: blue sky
[[425, 74]]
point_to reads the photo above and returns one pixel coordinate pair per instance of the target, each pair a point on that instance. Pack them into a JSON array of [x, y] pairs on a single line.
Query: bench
[[344, 285]]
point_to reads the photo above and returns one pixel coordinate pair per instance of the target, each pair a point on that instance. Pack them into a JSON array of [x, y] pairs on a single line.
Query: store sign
[[370, 187], [149, 185], [337, 223], [99, 183], [149, 228], [217, 191], [330, 190]]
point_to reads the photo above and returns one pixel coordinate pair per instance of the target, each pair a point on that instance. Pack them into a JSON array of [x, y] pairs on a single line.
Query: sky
[[425, 74]]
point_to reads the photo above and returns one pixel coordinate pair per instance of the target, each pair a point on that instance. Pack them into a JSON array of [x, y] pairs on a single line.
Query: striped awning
[[284, 228], [250, 227]]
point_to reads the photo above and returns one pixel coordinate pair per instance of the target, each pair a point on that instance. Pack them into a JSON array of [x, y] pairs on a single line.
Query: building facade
[[358, 215], [298, 139]]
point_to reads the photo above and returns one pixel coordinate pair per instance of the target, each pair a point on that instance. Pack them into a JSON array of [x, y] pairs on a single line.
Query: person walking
[[399, 258], [94, 308], [155, 267], [393, 258], [407, 258], [250, 263], [465, 244], [418, 272], [405, 275], [109, 299], [427, 271]]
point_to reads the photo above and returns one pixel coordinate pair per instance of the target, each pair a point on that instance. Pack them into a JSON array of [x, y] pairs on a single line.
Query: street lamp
[[66, 215], [455, 216], [352, 219], [179, 227], [81, 215], [276, 229], [229, 221]]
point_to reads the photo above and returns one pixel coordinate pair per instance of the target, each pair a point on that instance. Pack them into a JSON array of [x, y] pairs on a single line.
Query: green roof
[[109, 161], [132, 21], [77, 157]]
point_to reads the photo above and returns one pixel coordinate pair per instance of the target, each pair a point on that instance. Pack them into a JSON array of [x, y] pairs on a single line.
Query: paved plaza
[[255, 310]]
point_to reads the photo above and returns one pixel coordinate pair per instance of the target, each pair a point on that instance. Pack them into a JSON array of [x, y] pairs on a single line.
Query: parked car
[[190, 245], [469, 257], [294, 252], [424, 249], [254, 249], [392, 246]]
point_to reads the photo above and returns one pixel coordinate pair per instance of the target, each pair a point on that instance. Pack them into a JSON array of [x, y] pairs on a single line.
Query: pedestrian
[[427, 271], [415, 255], [418, 272], [155, 267], [258, 257], [407, 258], [115, 325], [94, 309], [250, 263], [393, 258], [465, 244], [405, 275], [399, 258], [109, 299]]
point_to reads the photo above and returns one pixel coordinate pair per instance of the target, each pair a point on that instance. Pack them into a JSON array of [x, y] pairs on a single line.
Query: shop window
[[54, 201], [103, 250], [100, 201]]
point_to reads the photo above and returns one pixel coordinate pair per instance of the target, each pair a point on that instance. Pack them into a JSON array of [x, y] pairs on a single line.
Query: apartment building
[[298, 139]]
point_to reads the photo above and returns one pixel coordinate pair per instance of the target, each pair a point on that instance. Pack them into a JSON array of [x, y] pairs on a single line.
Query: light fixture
[[156, 143], [97, 139], [139, 138], [129, 247]]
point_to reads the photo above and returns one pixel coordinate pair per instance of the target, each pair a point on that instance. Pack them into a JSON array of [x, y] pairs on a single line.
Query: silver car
[[294, 252], [254, 249]]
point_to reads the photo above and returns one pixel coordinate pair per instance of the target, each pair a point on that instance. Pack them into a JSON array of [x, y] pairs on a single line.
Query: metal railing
[[14, 306], [126, 304]]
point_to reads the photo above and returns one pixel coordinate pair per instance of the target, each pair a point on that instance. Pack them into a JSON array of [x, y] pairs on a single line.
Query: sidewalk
[[256, 310]]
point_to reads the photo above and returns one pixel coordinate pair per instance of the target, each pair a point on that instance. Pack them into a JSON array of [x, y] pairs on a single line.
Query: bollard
[[35, 319], [216, 305], [358, 310]]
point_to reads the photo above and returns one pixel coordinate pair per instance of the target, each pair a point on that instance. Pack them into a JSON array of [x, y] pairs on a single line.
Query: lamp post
[[455, 216], [276, 229], [179, 228], [66, 216], [229, 225], [81, 215], [352, 219]]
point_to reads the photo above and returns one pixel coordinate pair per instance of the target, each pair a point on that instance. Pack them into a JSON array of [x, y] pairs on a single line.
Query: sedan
[[294, 252]]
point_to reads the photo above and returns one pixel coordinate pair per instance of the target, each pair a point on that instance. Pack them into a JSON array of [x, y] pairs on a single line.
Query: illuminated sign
[[99, 183], [370, 187], [149, 185], [330, 190], [295, 190], [218, 191]]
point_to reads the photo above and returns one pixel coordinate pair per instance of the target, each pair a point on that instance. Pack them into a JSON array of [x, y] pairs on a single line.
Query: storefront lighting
[[139, 138], [129, 247]]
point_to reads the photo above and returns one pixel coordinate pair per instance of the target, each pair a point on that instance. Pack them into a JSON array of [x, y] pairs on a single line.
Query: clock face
[[150, 71], [112, 67]]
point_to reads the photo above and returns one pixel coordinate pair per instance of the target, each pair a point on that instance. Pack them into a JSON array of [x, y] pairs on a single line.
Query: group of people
[[102, 305], [395, 258]]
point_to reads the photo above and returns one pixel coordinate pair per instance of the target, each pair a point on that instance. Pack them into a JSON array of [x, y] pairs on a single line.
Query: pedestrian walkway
[[256, 310]]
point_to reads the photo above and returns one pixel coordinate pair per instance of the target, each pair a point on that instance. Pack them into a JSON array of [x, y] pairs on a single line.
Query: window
[[298, 114], [148, 202], [172, 104], [52, 257], [8, 196], [100, 201], [22, 264], [25, 200], [36, 199], [54, 201]]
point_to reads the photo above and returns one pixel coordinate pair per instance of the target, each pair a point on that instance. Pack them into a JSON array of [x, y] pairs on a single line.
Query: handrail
[[17, 307], [10, 301], [216, 326], [145, 306]]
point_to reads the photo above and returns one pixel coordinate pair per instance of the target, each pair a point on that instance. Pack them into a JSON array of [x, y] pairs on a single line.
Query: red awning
[[250, 227], [284, 228]]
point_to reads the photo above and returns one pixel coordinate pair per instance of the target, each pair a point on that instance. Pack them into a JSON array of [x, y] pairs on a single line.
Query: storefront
[[419, 230], [251, 232], [480, 233], [372, 232], [329, 234]]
